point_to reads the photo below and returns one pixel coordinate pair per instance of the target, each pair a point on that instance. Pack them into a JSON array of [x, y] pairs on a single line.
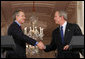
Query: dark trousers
[[12, 54], [68, 54]]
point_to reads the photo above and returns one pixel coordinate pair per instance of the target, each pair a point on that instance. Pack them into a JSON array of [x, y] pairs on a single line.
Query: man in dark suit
[[20, 39], [62, 35]]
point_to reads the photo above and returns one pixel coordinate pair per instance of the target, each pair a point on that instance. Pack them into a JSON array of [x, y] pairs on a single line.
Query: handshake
[[41, 45]]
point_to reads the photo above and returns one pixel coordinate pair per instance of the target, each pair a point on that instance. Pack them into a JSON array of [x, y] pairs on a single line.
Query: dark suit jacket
[[20, 41], [56, 43]]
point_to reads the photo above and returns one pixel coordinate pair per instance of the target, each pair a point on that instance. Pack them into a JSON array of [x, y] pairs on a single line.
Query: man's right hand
[[66, 47], [41, 45]]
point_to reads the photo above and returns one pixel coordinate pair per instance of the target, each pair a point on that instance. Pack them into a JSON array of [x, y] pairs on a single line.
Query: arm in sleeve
[[52, 45], [77, 31], [21, 36]]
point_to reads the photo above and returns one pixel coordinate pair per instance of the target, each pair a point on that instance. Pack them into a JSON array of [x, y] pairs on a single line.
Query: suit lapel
[[59, 35], [66, 31], [19, 27]]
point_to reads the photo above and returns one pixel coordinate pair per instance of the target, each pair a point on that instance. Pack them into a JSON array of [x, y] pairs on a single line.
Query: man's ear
[[16, 16], [62, 17]]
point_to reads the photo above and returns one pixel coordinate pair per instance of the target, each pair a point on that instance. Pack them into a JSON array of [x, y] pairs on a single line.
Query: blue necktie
[[61, 29]]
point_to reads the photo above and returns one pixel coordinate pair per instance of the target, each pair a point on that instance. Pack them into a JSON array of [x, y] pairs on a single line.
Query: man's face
[[57, 18], [21, 17]]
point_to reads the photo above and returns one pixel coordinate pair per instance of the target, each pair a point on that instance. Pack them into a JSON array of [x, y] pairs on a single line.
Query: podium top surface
[[7, 42], [77, 40]]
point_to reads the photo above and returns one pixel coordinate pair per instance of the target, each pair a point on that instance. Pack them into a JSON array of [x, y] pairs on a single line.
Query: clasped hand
[[41, 45], [66, 47]]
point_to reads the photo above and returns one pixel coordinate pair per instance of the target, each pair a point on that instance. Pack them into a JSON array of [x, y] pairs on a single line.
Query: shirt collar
[[17, 22], [64, 24]]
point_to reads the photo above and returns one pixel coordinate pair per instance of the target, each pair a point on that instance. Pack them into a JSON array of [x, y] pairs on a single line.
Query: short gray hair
[[63, 13], [16, 13]]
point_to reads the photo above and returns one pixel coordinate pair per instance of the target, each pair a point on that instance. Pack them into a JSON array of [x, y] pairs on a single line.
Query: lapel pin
[[68, 30]]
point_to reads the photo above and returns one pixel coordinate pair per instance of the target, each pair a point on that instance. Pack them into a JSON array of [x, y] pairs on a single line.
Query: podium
[[77, 43], [7, 43]]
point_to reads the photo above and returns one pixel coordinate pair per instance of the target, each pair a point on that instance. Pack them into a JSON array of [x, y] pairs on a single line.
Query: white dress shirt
[[64, 27]]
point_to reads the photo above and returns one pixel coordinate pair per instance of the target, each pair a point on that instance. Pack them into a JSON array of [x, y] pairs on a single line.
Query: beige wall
[[76, 15], [80, 15]]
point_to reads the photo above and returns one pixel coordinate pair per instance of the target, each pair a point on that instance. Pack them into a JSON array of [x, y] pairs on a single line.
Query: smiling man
[[20, 39], [62, 35]]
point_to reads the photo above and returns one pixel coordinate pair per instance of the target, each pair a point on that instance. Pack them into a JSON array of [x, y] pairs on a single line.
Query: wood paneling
[[44, 11]]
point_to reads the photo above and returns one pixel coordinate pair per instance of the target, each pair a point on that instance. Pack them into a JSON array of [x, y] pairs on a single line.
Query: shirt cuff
[[36, 43], [45, 47]]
